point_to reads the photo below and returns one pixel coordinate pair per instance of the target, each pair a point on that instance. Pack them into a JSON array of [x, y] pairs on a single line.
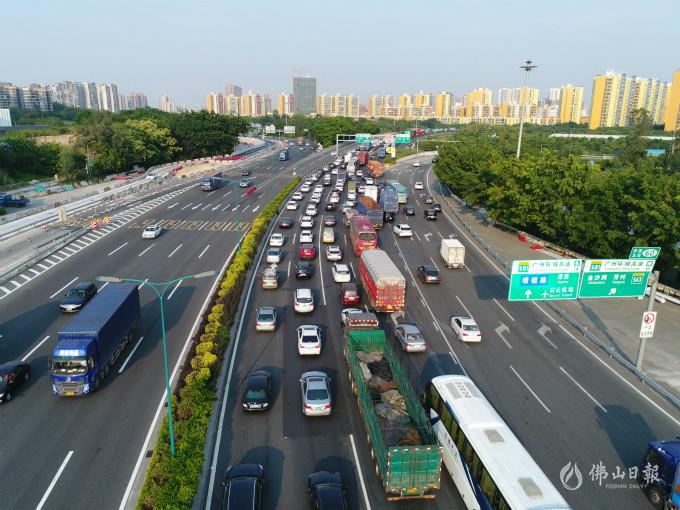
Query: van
[[328, 235], [270, 278]]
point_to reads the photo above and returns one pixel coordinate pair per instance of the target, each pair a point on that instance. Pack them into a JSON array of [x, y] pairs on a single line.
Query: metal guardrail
[[611, 350]]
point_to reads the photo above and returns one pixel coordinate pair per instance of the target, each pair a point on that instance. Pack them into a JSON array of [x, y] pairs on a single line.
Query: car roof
[[341, 266], [257, 379], [429, 267], [309, 327], [410, 328], [82, 285], [465, 319], [314, 374]]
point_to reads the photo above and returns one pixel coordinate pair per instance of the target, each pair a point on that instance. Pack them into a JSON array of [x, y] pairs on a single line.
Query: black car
[[286, 222], [304, 269], [326, 491], [389, 217], [430, 214], [409, 210], [78, 296], [243, 487], [329, 220], [245, 173], [257, 391], [437, 207], [429, 274], [12, 375], [330, 206]]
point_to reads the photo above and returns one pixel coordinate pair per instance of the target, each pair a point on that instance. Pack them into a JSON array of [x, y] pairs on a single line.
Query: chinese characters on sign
[[615, 278], [533, 280]]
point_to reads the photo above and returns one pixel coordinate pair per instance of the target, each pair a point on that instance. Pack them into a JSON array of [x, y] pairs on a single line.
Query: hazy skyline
[[187, 51]]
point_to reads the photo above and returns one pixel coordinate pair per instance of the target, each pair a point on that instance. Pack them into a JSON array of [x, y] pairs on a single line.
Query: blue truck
[[212, 182], [659, 476], [284, 155], [89, 345], [389, 203], [7, 200], [381, 152]]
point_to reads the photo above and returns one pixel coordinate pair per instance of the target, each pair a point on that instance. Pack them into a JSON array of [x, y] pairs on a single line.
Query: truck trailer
[[212, 182], [384, 285], [452, 252], [89, 345]]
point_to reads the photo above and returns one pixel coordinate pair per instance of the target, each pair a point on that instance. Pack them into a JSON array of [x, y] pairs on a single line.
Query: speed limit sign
[[648, 323]]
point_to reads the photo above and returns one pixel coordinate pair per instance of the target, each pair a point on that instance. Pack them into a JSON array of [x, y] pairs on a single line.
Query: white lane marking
[[352, 266], [288, 273], [138, 286], [361, 474], [114, 251], [188, 205], [174, 251], [34, 271], [227, 193], [120, 370], [469, 270], [25, 277], [434, 263], [173, 205], [161, 403], [173, 290], [146, 249], [440, 234], [630, 385], [237, 206], [244, 209], [256, 208], [216, 207], [225, 207], [583, 389], [529, 388], [69, 283], [294, 236], [463, 305], [506, 312], [197, 206], [204, 250], [42, 502], [205, 207], [35, 348], [416, 233]]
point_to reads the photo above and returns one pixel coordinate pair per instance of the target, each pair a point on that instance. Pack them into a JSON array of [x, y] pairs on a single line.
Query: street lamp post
[[528, 66], [160, 288], [88, 166]]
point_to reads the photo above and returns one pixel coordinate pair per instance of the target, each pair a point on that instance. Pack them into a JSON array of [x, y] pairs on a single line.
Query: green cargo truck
[[403, 445]]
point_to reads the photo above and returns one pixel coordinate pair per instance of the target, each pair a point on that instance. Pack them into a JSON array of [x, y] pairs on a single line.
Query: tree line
[[116, 142], [597, 208]]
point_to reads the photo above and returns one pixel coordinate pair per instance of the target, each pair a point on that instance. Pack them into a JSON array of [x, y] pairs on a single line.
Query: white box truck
[[453, 253]]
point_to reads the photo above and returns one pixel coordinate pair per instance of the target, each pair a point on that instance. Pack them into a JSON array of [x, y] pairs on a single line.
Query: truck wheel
[[655, 497]]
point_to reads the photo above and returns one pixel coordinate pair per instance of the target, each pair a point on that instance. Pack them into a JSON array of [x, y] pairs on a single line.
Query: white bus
[[488, 464]]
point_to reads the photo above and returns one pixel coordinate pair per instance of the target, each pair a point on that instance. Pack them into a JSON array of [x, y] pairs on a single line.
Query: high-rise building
[[477, 99], [671, 118], [285, 104], [554, 95], [616, 96], [5, 117], [108, 97], [36, 97], [304, 93], [231, 105], [10, 96], [339, 105], [166, 105], [215, 103], [137, 100], [233, 90], [122, 103], [442, 105], [571, 103], [516, 96]]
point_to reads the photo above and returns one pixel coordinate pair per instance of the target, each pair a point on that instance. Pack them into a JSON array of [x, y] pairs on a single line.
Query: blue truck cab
[[658, 473], [284, 155], [89, 345]]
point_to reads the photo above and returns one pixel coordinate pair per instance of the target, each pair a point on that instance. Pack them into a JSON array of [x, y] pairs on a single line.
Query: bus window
[[435, 399], [468, 453], [446, 417], [488, 487], [476, 467]]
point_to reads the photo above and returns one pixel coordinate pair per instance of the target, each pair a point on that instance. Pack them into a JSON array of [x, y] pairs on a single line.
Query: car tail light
[[307, 406], [327, 406]]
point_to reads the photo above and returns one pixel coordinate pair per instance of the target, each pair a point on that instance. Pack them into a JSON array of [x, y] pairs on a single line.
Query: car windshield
[[309, 338], [303, 299], [69, 366], [414, 337], [317, 394], [265, 317], [470, 327], [150, 229], [431, 272], [76, 293]]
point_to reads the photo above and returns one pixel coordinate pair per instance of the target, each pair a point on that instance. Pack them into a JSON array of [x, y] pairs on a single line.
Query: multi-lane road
[[564, 401], [83, 452]]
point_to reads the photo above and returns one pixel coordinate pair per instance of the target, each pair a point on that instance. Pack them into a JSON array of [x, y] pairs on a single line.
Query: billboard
[[289, 130]]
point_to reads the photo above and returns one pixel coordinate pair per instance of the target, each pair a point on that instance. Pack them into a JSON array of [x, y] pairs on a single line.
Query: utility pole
[[650, 307], [528, 66]]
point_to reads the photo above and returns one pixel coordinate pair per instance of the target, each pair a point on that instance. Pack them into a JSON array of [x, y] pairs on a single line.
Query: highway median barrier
[[172, 482]]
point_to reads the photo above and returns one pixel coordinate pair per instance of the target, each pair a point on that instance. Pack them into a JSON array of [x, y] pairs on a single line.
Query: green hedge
[[172, 482]]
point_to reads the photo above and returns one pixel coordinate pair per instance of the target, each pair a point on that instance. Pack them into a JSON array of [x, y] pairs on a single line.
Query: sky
[[189, 48]]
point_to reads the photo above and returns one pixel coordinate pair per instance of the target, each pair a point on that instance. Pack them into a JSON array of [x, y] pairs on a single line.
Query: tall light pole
[[160, 288], [88, 167], [528, 66]]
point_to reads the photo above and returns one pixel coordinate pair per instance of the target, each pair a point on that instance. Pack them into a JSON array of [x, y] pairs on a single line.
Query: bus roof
[[516, 474]]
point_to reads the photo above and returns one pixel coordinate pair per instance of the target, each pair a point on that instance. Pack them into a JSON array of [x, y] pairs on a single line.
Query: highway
[[82, 452], [563, 400]]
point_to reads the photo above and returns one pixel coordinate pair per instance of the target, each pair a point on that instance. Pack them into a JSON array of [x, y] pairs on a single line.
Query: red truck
[[363, 158], [376, 169], [384, 285]]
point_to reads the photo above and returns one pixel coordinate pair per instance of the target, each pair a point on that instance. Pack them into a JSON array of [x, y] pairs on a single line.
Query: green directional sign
[[403, 137], [612, 278], [644, 252], [363, 138], [545, 279]]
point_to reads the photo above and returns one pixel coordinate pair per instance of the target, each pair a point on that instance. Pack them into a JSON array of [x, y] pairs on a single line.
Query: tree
[[635, 145]]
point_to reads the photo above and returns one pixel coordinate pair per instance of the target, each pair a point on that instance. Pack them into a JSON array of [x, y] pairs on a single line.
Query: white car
[[416, 163], [152, 232], [402, 230], [347, 205], [318, 189], [334, 171], [276, 239], [370, 181], [315, 199], [334, 198], [466, 329], [346, 312], [333, 153], [292, 205], [303, 301], [418, 185], [361, 189], [297, 196], [359, 173], [351, 195], [306, 236], [273, 255], [341, 273], [333, 253], [309, 340], [305, 188], [311, 210], [306, 222]]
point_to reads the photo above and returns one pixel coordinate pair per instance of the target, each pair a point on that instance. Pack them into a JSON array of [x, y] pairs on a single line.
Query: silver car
[[265, 319], [273, 255], [152, 232], [316, 394], [410, 338]]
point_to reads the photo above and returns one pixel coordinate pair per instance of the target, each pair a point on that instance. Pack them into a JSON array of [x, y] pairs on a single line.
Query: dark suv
[[243, 487], [430, 214]]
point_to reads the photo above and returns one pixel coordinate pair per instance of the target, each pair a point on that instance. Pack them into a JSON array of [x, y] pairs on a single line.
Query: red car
[[349, 293], [307, 252]]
